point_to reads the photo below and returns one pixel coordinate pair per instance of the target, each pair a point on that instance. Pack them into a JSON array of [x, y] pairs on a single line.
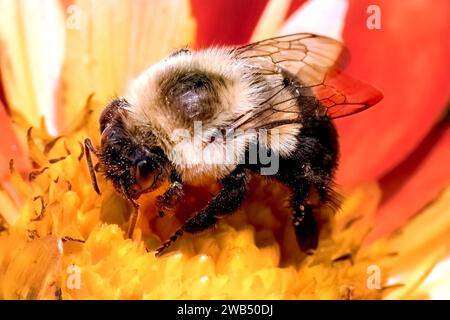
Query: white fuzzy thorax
[[196, 157]]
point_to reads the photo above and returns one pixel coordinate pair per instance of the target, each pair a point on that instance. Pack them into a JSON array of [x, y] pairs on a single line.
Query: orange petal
[[10, 147]]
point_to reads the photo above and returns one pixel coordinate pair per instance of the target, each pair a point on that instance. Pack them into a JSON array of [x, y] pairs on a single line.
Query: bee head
[[131, 161]]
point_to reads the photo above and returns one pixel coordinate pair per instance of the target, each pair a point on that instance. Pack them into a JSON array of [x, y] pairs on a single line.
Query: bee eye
[[145, 174], [144, 170]]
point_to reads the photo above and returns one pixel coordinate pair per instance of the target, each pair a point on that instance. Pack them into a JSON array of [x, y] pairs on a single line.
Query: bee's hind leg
[[303, 221], [229, 199], [306, 229], [308, 198]]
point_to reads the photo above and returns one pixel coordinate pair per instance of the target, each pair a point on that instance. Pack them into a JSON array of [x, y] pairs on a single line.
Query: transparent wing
[[315, 61], [304, 54]]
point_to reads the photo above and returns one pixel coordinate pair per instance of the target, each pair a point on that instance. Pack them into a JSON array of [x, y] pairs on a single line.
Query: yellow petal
[[40, 279], [420, 246], [109, 43], [32, 35]]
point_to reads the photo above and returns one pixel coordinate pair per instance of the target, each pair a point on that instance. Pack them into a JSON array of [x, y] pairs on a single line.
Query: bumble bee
[[202, 116]]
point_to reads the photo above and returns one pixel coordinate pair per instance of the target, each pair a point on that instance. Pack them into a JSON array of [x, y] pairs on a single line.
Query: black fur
[[309, 169]]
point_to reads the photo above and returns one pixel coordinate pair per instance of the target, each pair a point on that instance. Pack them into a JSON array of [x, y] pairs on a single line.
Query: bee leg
[[66, 238], [229, 199], [169, 242], [133, 219], [172, 196], [134, 213], [306, 229], [90, 148], [303, 221]]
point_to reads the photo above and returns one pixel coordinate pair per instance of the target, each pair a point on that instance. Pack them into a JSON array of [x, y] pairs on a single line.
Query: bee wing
[[315, 60]]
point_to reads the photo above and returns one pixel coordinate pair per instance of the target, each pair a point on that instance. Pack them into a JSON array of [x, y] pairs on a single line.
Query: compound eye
[[145, 173]]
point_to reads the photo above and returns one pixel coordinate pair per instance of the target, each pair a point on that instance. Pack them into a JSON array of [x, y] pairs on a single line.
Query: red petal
[[226, 22], [415, 182], [408, 60]]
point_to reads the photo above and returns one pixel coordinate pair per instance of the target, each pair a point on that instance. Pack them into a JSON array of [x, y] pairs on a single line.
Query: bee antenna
[[90, 148]]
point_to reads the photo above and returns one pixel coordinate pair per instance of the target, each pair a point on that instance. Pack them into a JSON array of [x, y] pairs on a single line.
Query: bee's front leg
[[172, 196], [225, 202]]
